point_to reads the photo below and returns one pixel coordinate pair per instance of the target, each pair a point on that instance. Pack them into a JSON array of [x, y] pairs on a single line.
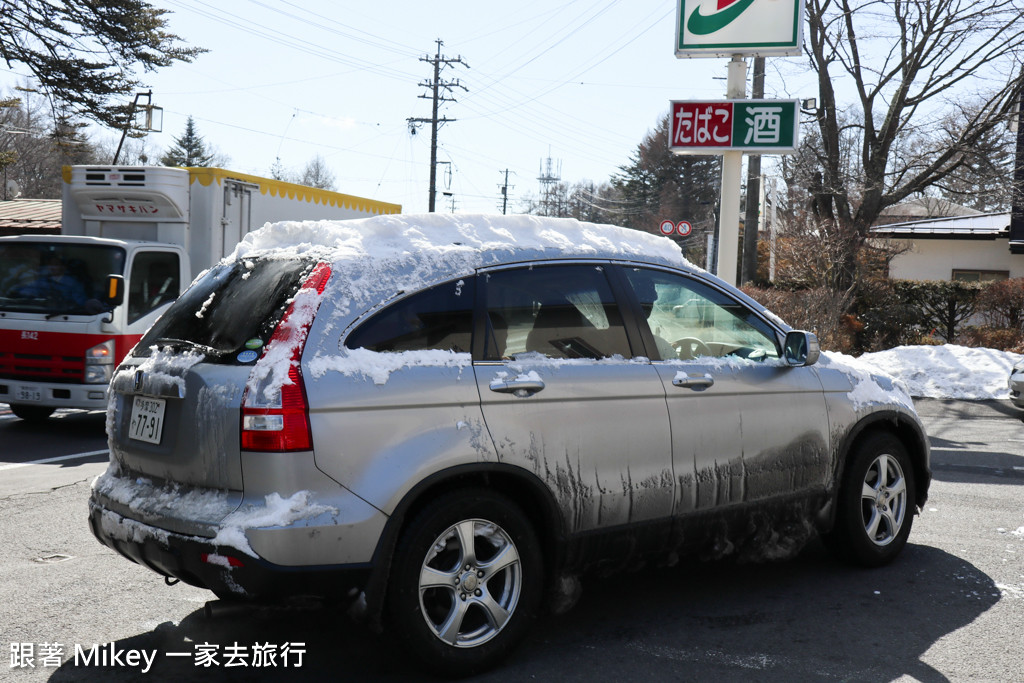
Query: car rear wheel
[[875, 504], [31, 413], [466, 582]]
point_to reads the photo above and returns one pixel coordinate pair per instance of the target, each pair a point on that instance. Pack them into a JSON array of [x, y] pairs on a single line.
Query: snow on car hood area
[[870, 385]]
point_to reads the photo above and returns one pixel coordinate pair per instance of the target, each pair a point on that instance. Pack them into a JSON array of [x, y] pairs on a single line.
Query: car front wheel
[[875, 504], [467, 582]]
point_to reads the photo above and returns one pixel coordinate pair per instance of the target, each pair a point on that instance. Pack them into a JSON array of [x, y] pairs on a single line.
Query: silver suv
[[447, 419]]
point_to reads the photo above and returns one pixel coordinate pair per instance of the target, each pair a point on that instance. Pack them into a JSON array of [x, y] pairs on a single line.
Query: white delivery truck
[[72, 305]]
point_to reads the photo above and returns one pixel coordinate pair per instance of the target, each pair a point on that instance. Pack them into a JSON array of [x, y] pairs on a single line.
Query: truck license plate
[[28, 394], [147, 419]]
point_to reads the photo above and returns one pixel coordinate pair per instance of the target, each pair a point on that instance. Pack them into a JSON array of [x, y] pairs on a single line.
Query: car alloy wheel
[[466, 581], [884, 499], [875, 502], [470, 583]]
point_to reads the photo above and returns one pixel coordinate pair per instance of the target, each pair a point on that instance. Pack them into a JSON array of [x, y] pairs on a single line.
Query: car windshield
[[56, 279], [233, 307]]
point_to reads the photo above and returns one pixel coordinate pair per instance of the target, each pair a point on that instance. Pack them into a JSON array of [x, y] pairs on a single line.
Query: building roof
[[30, 216], [985, 226], [921, 208]]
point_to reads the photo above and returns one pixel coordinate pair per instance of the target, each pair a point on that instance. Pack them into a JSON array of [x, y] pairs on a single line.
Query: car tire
[[875, 504], [31, 413], [466, 582]]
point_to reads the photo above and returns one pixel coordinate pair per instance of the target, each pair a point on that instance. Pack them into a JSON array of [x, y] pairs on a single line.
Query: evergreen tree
[[189, 149], [659, 185], [71, 143], [84, 53]]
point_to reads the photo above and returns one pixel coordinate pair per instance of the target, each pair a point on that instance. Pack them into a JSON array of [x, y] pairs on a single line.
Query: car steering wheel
[[689, 348]]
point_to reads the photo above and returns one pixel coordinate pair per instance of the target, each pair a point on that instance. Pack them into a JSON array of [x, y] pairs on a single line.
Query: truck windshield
[[233, 307], [56, 279]]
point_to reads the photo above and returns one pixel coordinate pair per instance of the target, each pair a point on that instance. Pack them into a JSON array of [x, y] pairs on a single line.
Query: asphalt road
[[949, 609]]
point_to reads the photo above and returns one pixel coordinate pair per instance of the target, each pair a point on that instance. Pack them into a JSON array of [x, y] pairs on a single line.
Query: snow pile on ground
[[949, 371]]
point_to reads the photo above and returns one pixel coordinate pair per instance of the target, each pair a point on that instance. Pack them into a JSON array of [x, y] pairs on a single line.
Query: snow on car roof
[[457, 243], [373, 259]]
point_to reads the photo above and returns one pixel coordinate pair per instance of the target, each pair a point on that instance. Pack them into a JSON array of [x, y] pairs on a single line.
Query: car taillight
[[275, 413]]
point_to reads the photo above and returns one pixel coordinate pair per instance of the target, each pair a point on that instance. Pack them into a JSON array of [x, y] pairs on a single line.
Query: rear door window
[[233, 307], [557, 311]]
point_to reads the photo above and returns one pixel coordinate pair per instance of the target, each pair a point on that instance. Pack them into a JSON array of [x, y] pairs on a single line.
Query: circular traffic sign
[[684, 228], [667, 228]]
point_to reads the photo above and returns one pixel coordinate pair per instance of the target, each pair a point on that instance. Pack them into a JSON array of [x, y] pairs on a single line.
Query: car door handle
[[695, 382], [519, 387]]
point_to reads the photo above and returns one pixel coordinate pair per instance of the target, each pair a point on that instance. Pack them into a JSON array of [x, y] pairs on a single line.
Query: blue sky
[[579, 82]]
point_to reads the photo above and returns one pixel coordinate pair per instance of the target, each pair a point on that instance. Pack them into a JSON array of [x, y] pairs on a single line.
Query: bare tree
[[985, 180], [910, 63], [35, 146], [317, 174]]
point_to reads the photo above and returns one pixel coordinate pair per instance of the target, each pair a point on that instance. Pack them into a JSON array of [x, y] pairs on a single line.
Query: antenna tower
[[550, 176]]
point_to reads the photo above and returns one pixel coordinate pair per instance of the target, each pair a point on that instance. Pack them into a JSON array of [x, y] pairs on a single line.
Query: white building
[[971, 248]]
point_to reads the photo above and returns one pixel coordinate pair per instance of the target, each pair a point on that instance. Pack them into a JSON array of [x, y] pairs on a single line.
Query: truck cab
[[132, 239], [72, 305], [67, 316]]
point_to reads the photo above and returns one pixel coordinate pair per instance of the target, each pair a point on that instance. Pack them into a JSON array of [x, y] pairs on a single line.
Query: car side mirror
[[802, 348], [115, 290]]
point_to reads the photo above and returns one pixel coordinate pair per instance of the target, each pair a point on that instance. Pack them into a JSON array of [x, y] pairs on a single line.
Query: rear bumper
[[223, 570]]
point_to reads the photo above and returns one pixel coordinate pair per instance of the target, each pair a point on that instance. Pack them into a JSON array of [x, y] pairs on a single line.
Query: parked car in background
[[440, 418], [1016, 384]]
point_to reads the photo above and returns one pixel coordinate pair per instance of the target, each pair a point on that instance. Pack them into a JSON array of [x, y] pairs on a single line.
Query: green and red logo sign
[[722, 28], [726, 12], [756, 126]]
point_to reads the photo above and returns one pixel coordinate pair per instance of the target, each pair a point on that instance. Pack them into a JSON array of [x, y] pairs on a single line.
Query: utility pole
[[1017, 194], [748, 271], [439, 93], [504, 194]]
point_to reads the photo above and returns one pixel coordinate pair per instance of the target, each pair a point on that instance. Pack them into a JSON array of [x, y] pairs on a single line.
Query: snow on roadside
[[949, 371]]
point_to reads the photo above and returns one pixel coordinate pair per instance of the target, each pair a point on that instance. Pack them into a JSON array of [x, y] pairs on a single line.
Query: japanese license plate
[[28, 394], [147, 419]]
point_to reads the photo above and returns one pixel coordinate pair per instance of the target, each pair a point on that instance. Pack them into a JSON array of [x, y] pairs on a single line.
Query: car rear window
[[232, 308], [440, 318]]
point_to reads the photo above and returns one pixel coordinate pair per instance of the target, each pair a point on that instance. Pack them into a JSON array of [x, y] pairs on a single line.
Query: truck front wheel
[[31, 413]]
